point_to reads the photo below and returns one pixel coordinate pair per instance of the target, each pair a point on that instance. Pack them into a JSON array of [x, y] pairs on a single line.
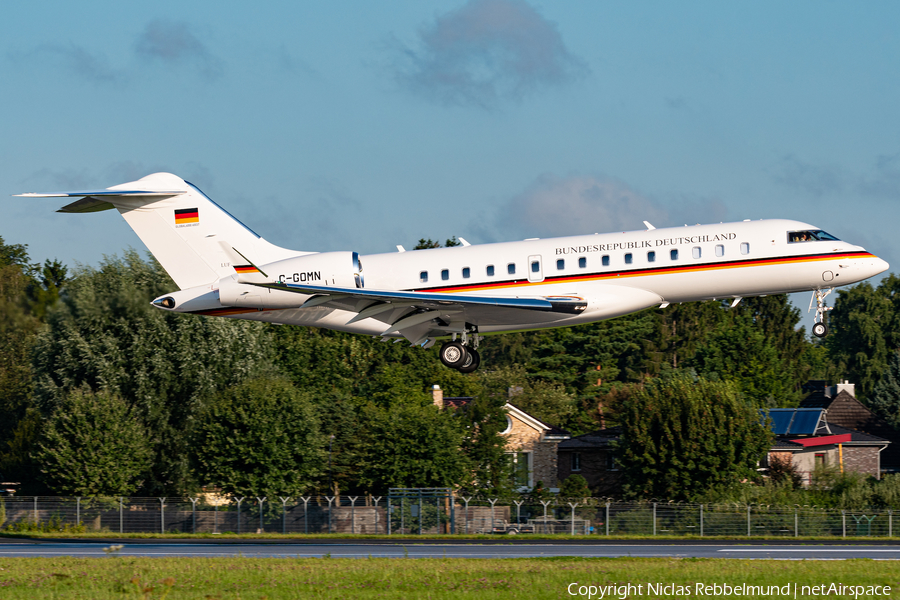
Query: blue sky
[[360, 125]]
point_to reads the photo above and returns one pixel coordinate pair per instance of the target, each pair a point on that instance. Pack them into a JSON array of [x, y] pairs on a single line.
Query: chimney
[[438, 394], [845, 386], [514, 391]]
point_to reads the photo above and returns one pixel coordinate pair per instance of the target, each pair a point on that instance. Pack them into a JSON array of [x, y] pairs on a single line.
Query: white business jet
[[461, 293]]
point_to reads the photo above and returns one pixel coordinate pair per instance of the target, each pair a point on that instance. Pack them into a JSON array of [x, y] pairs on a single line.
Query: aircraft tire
[[820, 330], [472, 361], [453, 355]]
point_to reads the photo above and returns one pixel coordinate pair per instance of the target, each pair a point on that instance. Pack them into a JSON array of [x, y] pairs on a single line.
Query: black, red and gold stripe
[[244, 269], [184, 216], [644, 272]]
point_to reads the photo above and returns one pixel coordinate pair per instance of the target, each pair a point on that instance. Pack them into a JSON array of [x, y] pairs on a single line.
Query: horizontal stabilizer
[[86, 205], [84, 193]]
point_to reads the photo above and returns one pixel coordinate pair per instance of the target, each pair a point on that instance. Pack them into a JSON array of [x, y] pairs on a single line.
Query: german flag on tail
[[186, 216], [245, 269]]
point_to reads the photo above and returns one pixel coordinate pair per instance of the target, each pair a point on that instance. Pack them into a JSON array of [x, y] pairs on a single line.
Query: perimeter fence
[[434, 511]]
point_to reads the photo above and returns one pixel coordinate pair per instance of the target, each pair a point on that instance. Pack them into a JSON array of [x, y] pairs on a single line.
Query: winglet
[[649, 226]]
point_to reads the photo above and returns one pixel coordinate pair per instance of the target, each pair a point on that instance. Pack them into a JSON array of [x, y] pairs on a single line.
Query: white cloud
[[174, 43], [485, 52]]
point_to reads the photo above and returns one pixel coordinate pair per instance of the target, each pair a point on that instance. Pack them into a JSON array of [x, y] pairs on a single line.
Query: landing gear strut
[[820, 329], [462, 356]]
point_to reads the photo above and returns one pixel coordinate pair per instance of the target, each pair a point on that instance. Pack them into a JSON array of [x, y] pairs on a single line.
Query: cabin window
[[582, 262], [811, 235], [745, 248], [423, 276], [445, 274], [720, 250], [629, 258], [695, 252], [576, 461], [490, 270], [605, 260], [535, 266], [466, 272], [511, 268], [651, 256], [560, 264], [611, 463], [673, 254]]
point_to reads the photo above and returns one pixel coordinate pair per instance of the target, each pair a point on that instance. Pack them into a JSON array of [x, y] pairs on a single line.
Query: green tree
[[575, 486], [738, 351], [411, 444], [682, 436], [259, 438], [885, 398], [93, 445], [105, 335]]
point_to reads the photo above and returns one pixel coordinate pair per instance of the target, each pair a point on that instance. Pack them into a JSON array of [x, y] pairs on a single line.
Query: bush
[[575, 486]]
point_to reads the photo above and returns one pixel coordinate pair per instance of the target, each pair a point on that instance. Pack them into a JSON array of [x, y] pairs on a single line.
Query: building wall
[[524, 438], [593, 468], [862, 460]]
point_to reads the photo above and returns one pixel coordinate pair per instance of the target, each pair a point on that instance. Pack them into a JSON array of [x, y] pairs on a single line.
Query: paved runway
[[455, 550]]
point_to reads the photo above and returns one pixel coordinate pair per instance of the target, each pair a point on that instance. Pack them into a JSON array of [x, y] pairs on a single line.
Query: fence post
[[452, 513], [573, 515], [35, 510], [420, 512], [239, 500], [78, 510], [305, 519], [796, 523], [466, 500], [546, 503], [844, 523], [493, 502], [607, 519], [701, 520], [216, 517], [890, 523], [193, 514], [262, 527], [518, 504], [162, 515], [121, 515], [353, 514], [654, 518], [330, 500], [284, 502], [376, 499]]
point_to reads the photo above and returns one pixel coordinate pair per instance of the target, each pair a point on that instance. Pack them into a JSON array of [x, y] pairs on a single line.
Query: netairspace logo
[[720, 590]]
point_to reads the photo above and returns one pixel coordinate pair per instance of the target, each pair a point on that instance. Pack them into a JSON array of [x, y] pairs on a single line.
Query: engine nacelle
[[326, 269]]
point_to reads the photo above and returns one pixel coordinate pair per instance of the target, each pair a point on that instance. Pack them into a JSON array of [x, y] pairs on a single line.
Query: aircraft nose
[[879, 266]]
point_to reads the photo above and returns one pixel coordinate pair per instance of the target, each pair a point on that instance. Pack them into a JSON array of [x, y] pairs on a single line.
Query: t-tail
[[189, 234]]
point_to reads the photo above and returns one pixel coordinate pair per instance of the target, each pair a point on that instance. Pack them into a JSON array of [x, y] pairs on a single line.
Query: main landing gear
[[820, 329], [461, 356]]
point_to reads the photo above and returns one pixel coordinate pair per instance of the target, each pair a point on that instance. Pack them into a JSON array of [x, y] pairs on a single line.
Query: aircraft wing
[[419, 315]]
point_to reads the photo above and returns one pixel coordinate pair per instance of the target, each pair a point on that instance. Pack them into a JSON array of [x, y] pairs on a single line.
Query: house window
[[511, 268], [673, 254], [582, 262], [629, 259], [576, 461], [745, 248], [651, 256], [423, 276], [445, 274], [820, 460], [560, 264], [695, 252], [490, 270], [605, 260], [720, 250], [611, 463], [520, 468], [466, 272]]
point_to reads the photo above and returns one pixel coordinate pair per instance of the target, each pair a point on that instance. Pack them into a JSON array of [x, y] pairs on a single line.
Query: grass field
[[432, 579]]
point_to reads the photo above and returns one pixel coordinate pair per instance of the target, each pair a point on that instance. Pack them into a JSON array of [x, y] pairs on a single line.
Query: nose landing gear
[[461, 355], [820, 329]]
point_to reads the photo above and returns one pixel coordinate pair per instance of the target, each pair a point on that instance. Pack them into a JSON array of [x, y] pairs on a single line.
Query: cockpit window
[[813, 235]]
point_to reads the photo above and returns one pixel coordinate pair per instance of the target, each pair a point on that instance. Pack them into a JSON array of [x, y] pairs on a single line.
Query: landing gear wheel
[[472, 361], [820, 330], [453, 355]]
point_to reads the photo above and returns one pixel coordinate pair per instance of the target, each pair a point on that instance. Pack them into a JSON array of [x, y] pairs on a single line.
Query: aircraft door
[[535, 269]]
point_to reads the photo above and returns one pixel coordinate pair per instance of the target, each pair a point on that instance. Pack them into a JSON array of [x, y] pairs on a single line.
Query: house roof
[[549, 430], [602, 438]]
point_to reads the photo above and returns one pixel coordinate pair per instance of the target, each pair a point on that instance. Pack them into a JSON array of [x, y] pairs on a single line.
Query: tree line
[[101, 393]]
